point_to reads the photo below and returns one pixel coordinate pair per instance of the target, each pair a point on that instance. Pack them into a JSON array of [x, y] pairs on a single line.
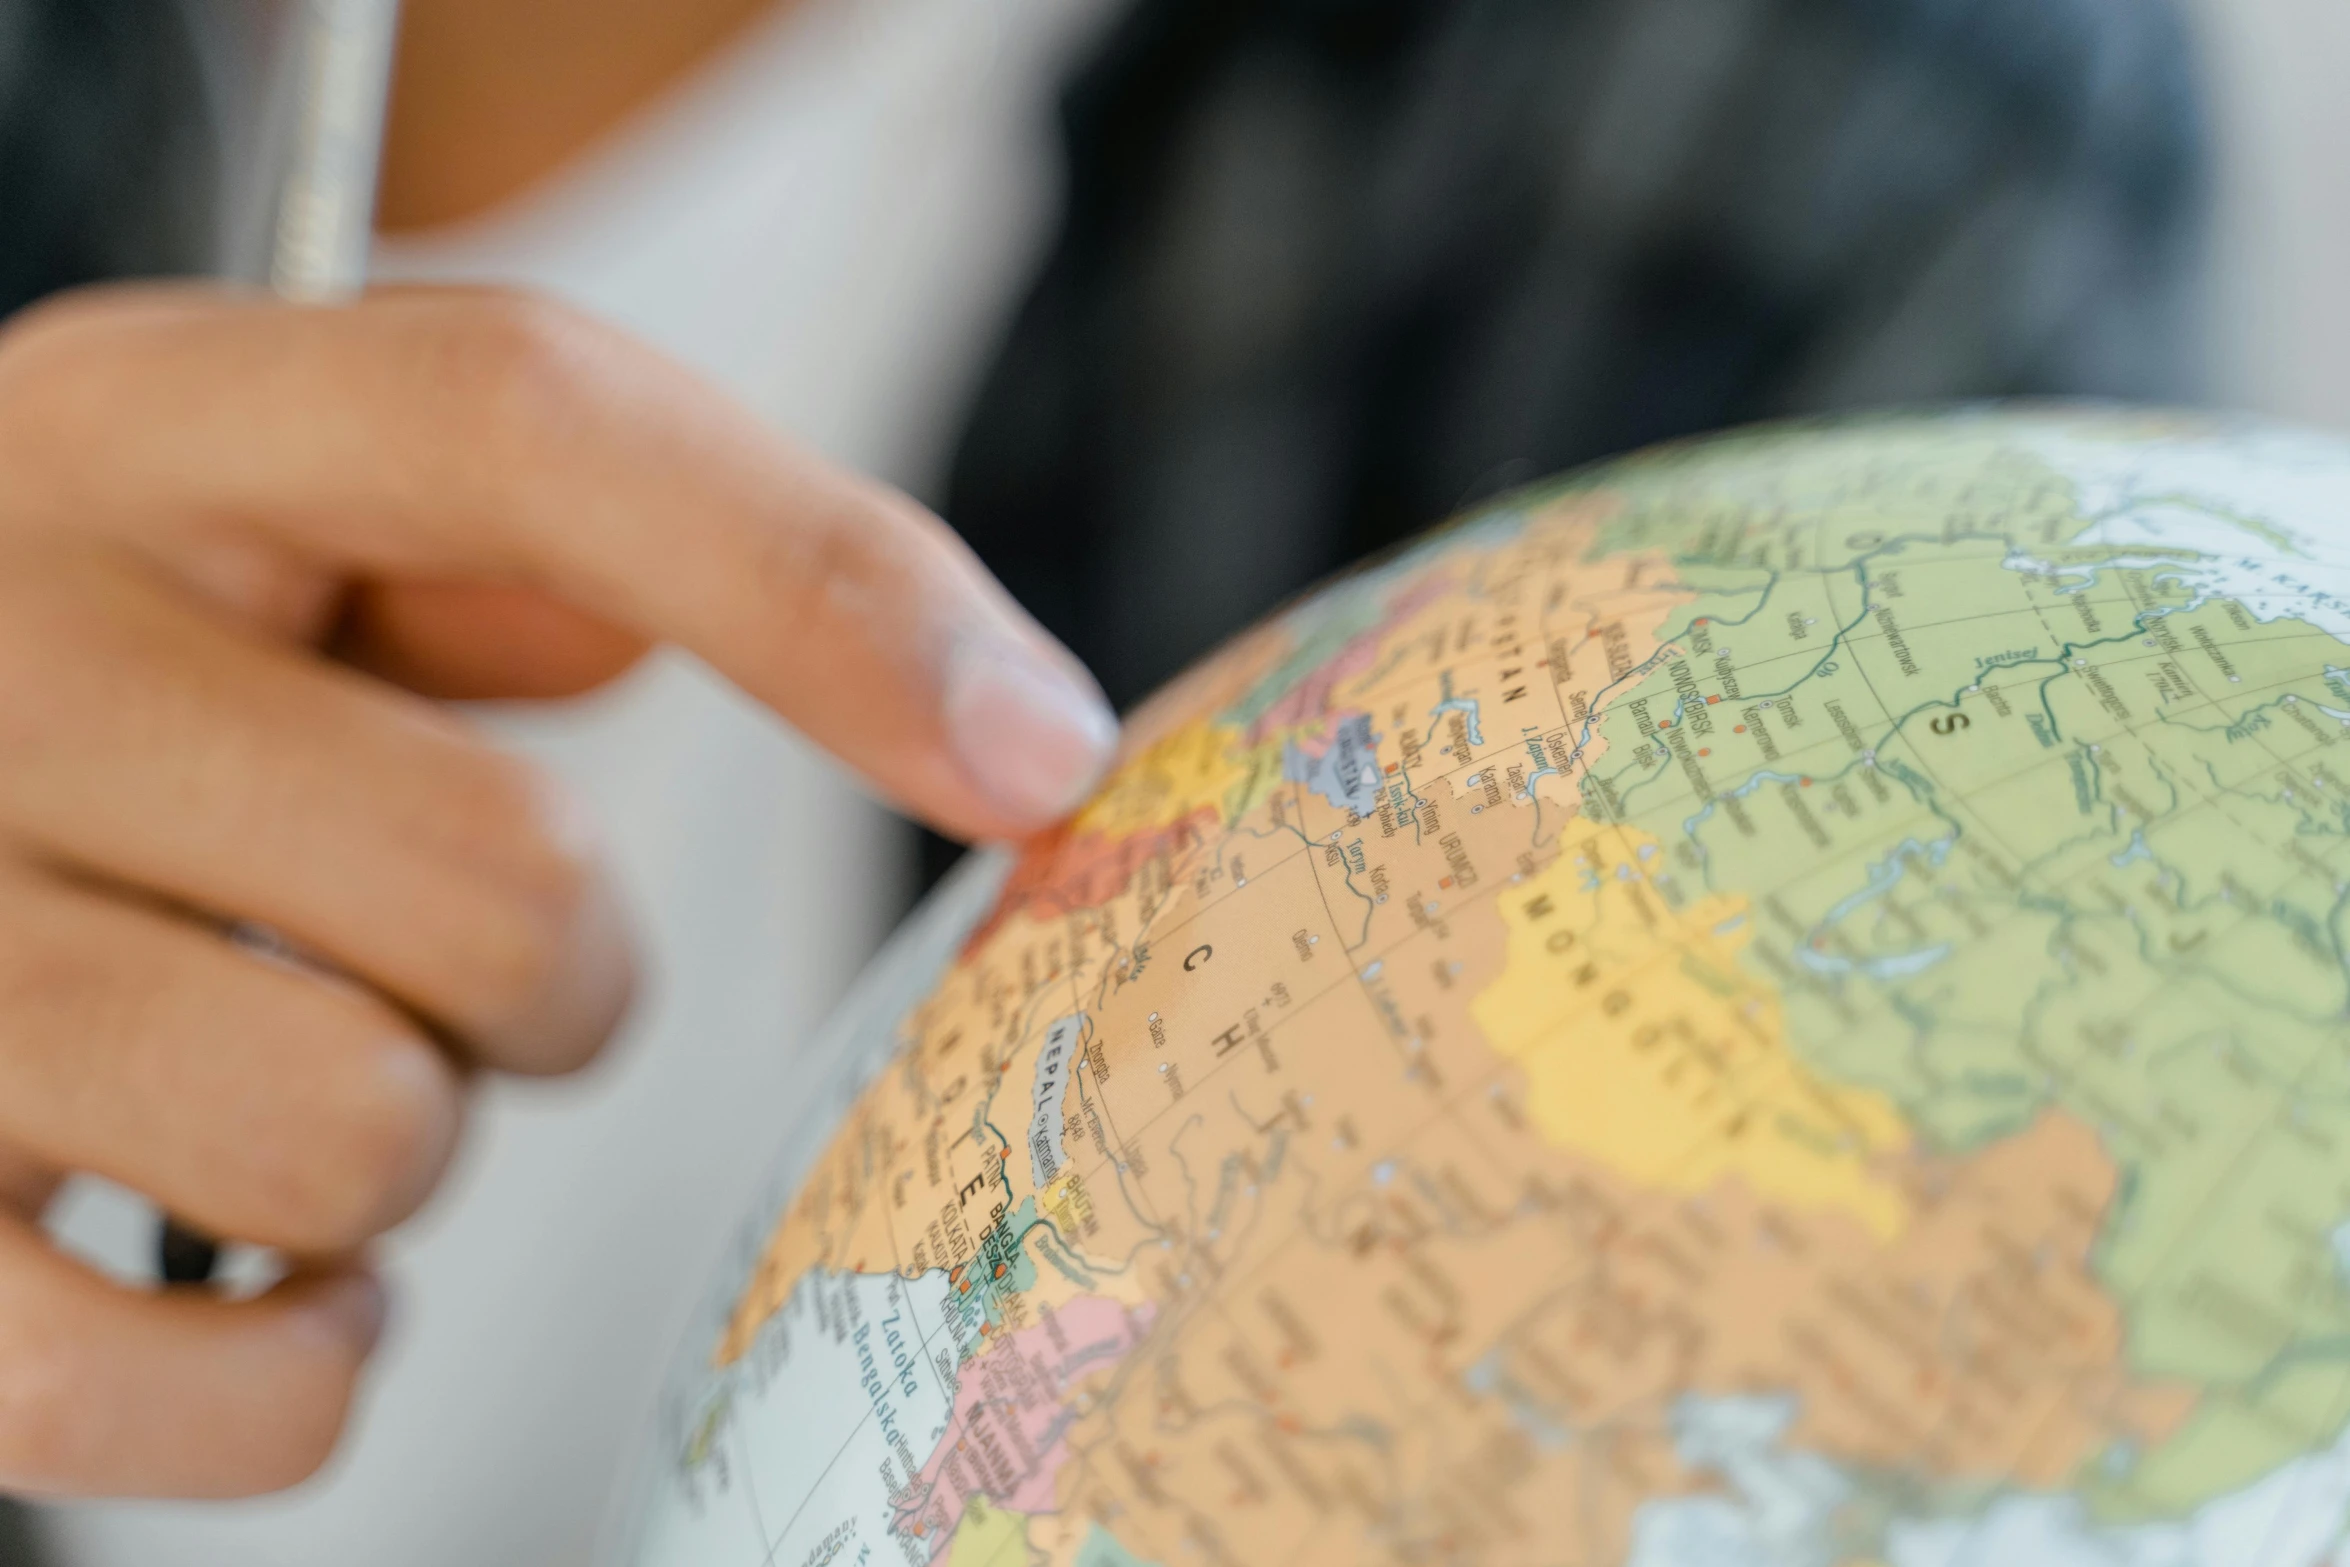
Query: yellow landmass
[[988, 1537], [1198, 766], [1647, 1047], [1423, 1136]]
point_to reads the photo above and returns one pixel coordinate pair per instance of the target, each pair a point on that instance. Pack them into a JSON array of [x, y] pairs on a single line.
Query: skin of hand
[[242, 547]]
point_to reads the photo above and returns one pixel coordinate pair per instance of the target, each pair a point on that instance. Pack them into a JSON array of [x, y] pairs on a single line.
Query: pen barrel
[[326, 207]]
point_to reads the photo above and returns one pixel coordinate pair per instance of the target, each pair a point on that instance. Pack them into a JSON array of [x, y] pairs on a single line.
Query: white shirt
[[834, 221]]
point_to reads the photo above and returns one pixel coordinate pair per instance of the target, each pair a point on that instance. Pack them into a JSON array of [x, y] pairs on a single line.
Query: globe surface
[[1780, 1001]]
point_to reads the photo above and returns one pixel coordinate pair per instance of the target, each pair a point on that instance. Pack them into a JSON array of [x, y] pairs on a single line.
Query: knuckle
[[51, 1433], [33, 334], [849, 564], [512, 363], [40, 348], [836, 575], [43, 345]]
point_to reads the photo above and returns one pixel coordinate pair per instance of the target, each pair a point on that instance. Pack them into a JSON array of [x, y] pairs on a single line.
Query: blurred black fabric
[[105, 156], [19, 1543], [1333, 268]]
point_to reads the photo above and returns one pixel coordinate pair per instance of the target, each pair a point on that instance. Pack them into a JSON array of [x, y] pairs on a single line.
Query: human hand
[[240, 546]]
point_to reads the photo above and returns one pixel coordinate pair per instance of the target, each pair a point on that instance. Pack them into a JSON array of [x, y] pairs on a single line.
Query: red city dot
[[1741, 729], [1705, 750], [1807, 783], [1711, 700], [1664, 723]]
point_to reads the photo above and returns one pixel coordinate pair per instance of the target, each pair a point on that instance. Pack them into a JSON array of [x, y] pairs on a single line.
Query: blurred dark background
[[106, 152], [1331, 271]]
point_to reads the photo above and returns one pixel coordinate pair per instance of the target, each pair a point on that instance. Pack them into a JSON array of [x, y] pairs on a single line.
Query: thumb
[[471, 641]]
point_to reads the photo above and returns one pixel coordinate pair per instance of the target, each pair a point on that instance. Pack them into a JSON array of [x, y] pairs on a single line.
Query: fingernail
[[1034, 738], [358, 1305], [562, 1026]]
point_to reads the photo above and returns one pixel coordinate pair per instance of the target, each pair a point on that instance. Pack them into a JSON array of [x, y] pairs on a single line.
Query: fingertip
[[585, 994], [349, 1308], [112, 1391], [538, 982], [324, 1328], [1033, 734]]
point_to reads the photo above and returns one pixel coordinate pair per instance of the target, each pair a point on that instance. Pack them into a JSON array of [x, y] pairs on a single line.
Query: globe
[[1779, 1001]]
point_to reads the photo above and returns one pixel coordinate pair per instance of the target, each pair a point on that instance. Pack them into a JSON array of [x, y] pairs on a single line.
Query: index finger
[[494, 437]]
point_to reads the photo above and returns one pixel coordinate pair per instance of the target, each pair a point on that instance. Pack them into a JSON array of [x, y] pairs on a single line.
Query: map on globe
[[1781, 1001]]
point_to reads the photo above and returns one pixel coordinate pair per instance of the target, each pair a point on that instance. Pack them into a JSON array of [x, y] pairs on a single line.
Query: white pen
[[325, 214]]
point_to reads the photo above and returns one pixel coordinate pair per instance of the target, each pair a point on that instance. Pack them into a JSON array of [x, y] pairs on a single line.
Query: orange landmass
[[1066, 870], [1390, 1316]]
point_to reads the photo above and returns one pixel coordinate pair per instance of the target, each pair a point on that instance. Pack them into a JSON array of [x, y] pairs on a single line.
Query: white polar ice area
[[2298, 1513], [848, 1381], [1779, 1506], [2260, 515]]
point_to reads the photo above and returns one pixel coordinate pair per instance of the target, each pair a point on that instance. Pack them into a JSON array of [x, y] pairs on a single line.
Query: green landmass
[[2018, 838]]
